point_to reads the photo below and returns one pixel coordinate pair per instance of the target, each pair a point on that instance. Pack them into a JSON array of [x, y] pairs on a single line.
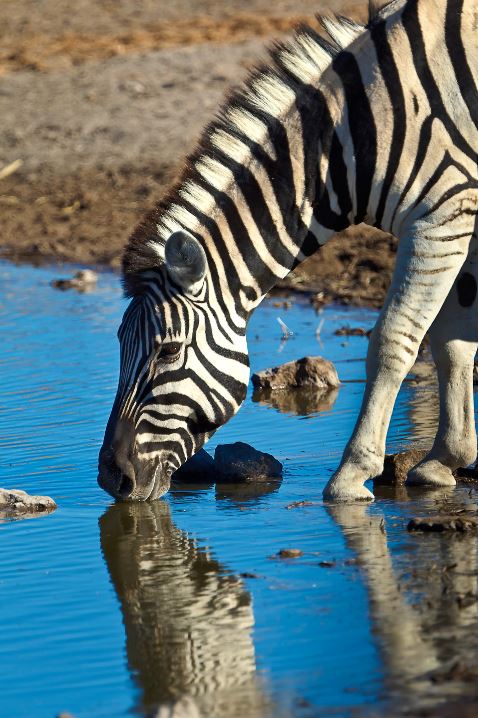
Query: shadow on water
[[236, 493], [247, 492], [188, 620], [423, 602]]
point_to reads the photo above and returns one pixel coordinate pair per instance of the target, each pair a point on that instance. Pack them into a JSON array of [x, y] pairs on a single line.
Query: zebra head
[[183, 373]]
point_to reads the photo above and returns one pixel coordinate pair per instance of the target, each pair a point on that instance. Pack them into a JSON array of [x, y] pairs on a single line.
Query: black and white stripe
[[374, 124]]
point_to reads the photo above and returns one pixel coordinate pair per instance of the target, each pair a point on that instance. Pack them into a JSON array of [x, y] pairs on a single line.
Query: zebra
[[375, 124]]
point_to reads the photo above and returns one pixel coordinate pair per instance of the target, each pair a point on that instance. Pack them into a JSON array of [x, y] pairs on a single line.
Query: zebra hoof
[[340, 490], [431, 473]]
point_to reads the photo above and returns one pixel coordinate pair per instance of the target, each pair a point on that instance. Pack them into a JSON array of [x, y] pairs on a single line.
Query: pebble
[[290, 553], [83, 281]]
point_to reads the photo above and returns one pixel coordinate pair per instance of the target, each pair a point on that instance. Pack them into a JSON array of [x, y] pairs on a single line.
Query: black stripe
[[362, 128], [323, 212], [423, 147], [412, 27], [463, 75], [259, 211], [393, 84]]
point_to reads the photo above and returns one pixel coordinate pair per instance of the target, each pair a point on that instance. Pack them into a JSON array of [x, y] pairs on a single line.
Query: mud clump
[[306, 372], [438, 524], [241, 462], [352, 332], [397, 466], [15, 503]]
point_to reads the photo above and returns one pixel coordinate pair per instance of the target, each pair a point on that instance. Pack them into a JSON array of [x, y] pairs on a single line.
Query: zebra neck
[[266, 218]]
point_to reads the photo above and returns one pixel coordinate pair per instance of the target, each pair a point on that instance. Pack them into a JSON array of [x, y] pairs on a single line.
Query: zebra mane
[[270, 89]]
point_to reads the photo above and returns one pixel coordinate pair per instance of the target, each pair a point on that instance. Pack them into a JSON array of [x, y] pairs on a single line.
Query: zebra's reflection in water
[[423, 599], [188, 621]]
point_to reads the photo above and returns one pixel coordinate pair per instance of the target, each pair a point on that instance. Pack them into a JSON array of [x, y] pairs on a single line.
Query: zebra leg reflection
[[406, 652]]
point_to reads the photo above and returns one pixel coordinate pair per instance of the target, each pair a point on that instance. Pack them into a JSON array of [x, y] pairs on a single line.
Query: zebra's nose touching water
[[124, 473], [183, 373]]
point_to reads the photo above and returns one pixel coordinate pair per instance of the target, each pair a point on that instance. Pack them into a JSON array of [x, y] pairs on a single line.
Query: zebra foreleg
[[364, 453], [454, 341], [414, 300]]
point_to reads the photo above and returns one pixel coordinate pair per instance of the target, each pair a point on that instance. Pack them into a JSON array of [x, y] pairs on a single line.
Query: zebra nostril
[[125, 486]]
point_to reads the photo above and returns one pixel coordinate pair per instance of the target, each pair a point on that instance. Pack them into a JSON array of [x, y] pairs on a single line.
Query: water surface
[[109, 610]]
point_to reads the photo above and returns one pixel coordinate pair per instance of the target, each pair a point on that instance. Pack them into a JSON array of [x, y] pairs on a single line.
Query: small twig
[[286, 332], [319, 328]]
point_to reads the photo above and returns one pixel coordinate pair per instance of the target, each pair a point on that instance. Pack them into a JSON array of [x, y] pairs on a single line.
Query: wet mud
[[121, 93]]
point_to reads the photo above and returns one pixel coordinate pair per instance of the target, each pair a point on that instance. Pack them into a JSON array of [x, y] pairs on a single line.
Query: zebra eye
[[169, 351]]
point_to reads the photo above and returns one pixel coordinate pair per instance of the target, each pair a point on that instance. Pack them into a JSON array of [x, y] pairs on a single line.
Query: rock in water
[[17, 503], [308, 371], [290, 553], [200, 468], [84, 281], [454, 522], [397, 466], [241, 462]]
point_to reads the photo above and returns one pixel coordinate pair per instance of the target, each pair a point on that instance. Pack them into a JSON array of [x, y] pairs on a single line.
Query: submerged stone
[[241, 462], [14, 502], [200, 468], [310, 371]]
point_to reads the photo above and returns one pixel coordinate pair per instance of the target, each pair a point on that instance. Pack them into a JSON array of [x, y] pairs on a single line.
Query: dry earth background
[[101, 101]]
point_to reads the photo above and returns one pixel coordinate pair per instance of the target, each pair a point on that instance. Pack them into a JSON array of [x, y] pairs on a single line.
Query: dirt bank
[[99, 107]]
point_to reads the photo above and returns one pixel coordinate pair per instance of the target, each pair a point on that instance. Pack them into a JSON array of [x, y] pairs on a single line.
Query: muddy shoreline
[[99, 108]]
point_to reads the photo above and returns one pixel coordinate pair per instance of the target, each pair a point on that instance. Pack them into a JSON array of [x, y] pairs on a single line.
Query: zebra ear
[[185, 259]]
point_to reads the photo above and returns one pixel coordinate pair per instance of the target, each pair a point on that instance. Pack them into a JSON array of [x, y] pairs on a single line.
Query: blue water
[[108, 610]]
